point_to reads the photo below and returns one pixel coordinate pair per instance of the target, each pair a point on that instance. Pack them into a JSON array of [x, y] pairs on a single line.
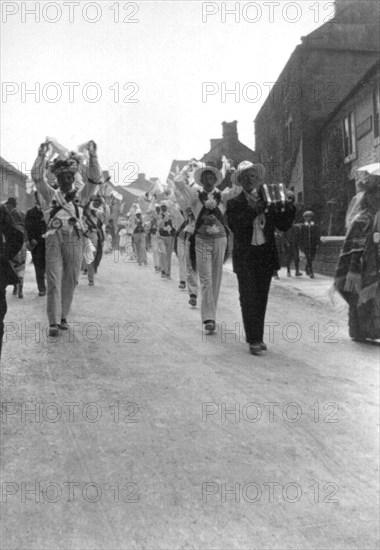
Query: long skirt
[[364, 320]]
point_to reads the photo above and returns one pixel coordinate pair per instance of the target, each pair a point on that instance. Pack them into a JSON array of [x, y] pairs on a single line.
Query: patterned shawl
[[357, 270]]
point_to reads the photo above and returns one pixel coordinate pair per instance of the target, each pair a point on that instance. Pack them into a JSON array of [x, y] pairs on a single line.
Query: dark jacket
[[240, 216], [35, 224], [11, 241], [309, 237]]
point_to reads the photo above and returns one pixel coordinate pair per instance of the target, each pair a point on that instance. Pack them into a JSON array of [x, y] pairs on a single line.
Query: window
[[289, 135], [376, 107], [349, 138], [17, 193]]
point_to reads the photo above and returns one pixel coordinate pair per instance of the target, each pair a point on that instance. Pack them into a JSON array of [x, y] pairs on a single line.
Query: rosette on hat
[[63, 166]]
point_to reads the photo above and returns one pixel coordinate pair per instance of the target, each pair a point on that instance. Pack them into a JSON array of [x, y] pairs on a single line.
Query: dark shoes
[[182, 285], [53, 330], [193, 300], [163, 276], [64, 325], [91, 283], [209, 327], [42, 293], [298, 274], [257, 347]]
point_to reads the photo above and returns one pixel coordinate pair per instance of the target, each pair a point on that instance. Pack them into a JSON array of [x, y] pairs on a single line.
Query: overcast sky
[[171, 50]]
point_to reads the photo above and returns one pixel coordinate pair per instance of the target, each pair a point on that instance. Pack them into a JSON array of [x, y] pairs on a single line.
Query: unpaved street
[[148, 435]]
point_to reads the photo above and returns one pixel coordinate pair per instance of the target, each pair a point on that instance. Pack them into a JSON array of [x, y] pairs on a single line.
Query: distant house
[[229, 146], [141, 184], [350, 139], [13, 184], [320, 73]]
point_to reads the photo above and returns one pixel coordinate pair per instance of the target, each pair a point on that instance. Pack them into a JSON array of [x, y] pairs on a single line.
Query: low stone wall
[[325, 261], [327, 256]]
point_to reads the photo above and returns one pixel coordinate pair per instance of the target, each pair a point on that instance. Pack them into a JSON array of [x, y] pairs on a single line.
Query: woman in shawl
[[357, 275]]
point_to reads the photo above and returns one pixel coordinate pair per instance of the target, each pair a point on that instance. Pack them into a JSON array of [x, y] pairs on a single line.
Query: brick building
[[229, 146], [350, 139], [13, 184], [320, 73]]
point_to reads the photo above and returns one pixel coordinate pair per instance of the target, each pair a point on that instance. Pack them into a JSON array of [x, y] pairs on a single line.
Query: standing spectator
[[166, 232], [65, 230], [357, 277], [309, 241], [35, 229], [255, 256], [139, 238], [291, 240], [19, 260], [11, 241]]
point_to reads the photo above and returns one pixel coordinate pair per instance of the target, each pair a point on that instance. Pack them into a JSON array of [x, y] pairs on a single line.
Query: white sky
[[168, 53]]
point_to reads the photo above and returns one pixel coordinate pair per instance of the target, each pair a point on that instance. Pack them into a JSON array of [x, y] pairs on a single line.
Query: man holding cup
[[252, 218]]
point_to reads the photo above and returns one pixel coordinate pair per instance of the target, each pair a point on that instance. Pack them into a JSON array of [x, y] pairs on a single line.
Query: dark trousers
[[3, 310], [254, 283], [310, 255], [292, 254], [38, 255]]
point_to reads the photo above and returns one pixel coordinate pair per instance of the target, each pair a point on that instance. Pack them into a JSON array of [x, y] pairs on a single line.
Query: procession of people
[[70, 228]]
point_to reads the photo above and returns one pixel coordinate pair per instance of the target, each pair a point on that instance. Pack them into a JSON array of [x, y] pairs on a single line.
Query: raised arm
[[91, 173], [230, 193], [189, 194], [38, 174]]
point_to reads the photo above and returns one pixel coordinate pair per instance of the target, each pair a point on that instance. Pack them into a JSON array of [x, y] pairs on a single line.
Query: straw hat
[[207, 168], [247, 165]]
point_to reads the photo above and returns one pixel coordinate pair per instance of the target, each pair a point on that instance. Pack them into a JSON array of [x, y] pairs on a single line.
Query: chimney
[[230, 131], [343, 4], [214, 142], [141, 177]]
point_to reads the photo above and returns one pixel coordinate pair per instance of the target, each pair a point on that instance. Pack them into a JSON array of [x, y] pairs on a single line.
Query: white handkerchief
[[258, 237]]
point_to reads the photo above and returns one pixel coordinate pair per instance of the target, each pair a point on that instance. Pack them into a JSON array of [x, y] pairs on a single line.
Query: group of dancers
[[70, 227]]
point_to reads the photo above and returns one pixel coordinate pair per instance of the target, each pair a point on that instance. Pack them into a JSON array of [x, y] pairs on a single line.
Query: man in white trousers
[[65, 228], [209, 241]]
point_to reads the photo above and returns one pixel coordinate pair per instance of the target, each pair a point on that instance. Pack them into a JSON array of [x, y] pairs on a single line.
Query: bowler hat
[[11, 201]]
